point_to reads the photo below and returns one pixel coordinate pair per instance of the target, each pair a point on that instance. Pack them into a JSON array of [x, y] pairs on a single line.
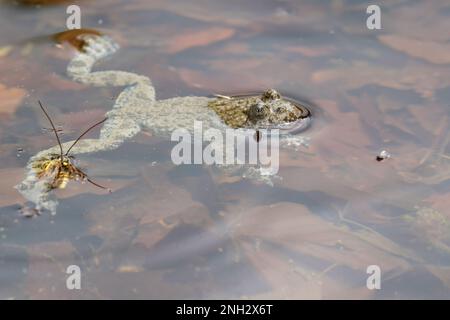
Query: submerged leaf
[[10, 98]]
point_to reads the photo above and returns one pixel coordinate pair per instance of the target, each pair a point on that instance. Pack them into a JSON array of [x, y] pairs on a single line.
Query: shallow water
[[171, 231]]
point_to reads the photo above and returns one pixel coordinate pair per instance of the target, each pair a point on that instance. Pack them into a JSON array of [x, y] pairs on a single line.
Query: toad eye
[[259, 108]]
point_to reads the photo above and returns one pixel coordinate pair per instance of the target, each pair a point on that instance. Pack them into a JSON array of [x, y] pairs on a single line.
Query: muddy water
[[171, 231]]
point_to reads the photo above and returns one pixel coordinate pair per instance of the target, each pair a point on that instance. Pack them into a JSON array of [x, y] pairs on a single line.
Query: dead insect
[[60, 166]]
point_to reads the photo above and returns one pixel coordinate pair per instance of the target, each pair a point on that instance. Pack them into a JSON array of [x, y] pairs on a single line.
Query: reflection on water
[[193, 232]]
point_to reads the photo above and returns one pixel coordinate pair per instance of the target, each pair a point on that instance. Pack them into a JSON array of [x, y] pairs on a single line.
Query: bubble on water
[[383, 155]]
